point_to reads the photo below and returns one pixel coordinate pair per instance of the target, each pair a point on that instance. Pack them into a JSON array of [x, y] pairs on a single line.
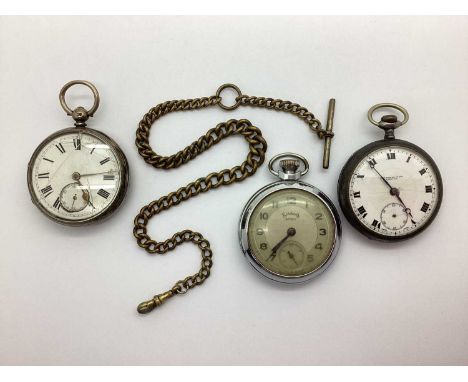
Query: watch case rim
[[345, 179], [246, 214], [124, 176]]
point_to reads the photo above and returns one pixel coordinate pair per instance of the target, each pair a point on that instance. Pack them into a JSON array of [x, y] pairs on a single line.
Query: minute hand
[[97, 173], [385, 180], [290, 232], [396, 192]]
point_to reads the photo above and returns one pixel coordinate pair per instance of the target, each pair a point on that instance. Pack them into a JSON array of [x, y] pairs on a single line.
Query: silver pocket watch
[[391, 189], [289, 230], [78, 175]]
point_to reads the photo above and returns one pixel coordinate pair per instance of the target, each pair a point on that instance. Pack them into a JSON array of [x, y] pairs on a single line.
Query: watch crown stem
[[289, 165], [391, 118]]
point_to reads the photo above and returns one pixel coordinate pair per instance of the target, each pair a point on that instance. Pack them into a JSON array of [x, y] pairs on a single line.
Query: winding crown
[[289, 165]]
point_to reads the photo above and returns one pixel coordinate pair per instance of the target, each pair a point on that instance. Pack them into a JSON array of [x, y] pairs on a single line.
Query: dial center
[[76, 176], [394, 191]]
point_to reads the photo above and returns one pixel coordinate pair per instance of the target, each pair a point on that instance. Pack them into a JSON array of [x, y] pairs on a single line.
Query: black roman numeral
[[94, 148], [77, 143], [372, 162], [60, 148], [423, 171], [105, 160], [425, 207], [429, 189], [360, 176], [46, 191], [57, 203], [407, 160], [362, 211], [48, 160], [109, 177], [103, 193], [376, 224], [391, 156], [44, 175], [357, 194]]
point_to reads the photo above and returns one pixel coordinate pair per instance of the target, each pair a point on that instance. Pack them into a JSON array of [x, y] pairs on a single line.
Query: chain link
[[289, 107], [255, 158]]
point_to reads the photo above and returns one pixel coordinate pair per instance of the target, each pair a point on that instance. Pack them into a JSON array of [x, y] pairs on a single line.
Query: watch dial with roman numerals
[[390, 190], [77, 175]]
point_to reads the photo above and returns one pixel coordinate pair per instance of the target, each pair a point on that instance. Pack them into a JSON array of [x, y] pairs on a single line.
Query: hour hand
[[290, 232]]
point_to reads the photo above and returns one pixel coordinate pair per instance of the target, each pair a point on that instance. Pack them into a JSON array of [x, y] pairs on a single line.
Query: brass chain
[[255, 158]]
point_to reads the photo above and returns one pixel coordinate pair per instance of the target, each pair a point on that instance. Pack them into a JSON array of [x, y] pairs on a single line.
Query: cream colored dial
[[291, 233]]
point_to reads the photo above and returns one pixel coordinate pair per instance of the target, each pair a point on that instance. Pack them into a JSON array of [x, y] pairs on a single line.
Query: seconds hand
[[291, 256], [290, 232]]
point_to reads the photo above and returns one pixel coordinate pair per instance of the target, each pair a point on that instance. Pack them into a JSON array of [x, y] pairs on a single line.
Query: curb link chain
[[255, 158]]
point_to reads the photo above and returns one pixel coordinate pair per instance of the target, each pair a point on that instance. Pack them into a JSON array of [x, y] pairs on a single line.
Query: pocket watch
[[391, 189], [289, 230], [78, 175]]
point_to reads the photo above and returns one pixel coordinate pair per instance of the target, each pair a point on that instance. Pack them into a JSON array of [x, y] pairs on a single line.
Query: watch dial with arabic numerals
[[290, 234], [390, 190], [77, 175]]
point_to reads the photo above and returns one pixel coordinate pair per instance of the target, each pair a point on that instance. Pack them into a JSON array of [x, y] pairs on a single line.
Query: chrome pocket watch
[[289, 230], [391, 189], [78, 175]]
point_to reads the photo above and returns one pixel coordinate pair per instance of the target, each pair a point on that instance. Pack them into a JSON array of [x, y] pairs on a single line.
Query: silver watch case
[[123, 168], [245, 219]]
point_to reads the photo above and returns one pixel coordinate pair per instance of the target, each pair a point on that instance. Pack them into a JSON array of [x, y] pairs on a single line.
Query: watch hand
[[98, 173], [407, 210], [385, 180], [90, 195], [84, 194], [395, 192], [291, 256], [290, 232]]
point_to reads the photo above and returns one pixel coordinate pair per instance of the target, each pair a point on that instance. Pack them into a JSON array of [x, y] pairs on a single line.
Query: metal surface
[[387, 105], [347, 173], [388, 123], [283, 173], [124, 176], [245, 219], [255, 158], [80, 114], [301, 112], [329, 129], [228, 86]]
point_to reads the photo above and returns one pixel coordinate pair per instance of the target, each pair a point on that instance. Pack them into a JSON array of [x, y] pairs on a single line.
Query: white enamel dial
[[76, 176], [393, 191]]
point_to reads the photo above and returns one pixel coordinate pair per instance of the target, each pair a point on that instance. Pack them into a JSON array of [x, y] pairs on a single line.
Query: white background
[[68, 295]]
